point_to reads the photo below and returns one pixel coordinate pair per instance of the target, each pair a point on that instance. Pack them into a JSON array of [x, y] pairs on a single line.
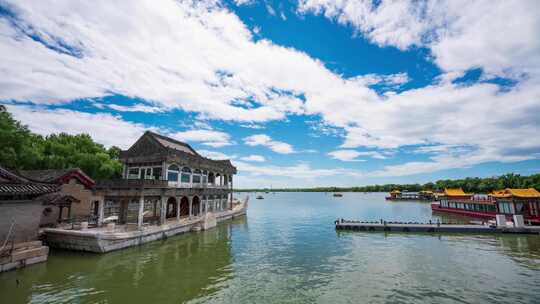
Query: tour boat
[[338, 195], [259, 197], [509, 202]]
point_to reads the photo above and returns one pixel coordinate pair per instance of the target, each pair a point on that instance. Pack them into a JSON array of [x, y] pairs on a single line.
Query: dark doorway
[[171, 207], [196, 205], [184, 206]]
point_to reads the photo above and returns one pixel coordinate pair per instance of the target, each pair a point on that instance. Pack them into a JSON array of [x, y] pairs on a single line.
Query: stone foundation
[[23, 254], [101, 240]]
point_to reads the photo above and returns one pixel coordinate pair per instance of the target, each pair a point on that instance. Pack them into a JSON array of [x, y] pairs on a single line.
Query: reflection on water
[[174, 270], [287, 251]]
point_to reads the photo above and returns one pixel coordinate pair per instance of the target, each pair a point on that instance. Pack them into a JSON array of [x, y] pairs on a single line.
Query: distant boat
[[338, 195], [259, 197]]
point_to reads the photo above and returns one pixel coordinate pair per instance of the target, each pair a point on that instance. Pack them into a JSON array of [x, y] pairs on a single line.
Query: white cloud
[[374, 154], [460, 33], [215, 155], [392, 80], [135, 108], [199, 57], [104, 128], [345, 155], [253, 158], [210, 138], [298, 171], [266, 141], [243, 2]]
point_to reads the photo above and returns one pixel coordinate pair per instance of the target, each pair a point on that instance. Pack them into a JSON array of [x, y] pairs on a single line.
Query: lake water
[[287, 251]]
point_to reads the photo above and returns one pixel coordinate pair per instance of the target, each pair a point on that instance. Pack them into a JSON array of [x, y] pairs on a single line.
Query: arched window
[[211, 178], [196, 176], [172, 173], [186, 175]]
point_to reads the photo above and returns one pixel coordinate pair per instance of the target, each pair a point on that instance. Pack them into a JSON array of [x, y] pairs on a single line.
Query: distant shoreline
[[469, 184]]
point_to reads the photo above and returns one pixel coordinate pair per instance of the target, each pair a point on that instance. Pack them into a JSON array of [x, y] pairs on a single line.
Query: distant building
[[72, 182]]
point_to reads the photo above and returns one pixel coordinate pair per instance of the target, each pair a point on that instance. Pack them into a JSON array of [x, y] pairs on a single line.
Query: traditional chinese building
[[22, 202], [166, 179], [71, 182], [166, 188]]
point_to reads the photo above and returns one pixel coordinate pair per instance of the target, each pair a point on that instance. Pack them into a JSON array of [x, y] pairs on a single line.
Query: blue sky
[[295, 93]]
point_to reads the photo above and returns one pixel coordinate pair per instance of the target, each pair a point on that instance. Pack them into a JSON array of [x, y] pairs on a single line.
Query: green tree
[[22, 150], [19, 148]]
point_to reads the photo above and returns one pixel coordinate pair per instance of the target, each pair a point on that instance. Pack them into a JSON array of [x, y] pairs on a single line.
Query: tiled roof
[[173, 143], [26, 188], [521, 193], [57, 176], [14, 184], [57, 198], [47, 176]]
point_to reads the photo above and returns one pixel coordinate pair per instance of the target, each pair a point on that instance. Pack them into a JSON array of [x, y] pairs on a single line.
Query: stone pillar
[[163, 210], [190, 211], [232, 192], [60, 211], [205, 205], [164, 167], [101, 212], [141, 210], [178, 208]]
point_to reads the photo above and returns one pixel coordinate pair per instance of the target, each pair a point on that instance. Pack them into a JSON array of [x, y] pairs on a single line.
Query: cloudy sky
[[296, 93]]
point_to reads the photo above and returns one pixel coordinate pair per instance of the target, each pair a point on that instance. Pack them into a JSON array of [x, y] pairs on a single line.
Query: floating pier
[[383, 226]]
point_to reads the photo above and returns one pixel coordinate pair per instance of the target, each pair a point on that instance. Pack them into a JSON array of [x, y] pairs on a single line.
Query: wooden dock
[[431, 227]]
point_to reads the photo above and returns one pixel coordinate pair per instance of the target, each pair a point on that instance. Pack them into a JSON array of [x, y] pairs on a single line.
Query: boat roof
[[521, 193], [455, 192]]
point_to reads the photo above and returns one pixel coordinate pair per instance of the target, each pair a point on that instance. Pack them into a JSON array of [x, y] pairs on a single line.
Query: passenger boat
[[338, 195], [509, 202], [259, 197], [424, 195]]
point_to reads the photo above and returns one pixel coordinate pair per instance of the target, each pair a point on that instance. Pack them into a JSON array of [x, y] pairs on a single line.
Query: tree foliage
[[22, 150], [469, 184]]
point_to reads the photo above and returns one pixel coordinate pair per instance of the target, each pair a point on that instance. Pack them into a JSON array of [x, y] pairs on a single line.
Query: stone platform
[[101, 240], [23, 254]]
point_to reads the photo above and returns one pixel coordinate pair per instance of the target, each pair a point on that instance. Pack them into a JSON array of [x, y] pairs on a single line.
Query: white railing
[[197, 185]]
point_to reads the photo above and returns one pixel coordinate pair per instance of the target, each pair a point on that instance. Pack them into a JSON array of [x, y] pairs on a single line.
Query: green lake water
[[287, 251]]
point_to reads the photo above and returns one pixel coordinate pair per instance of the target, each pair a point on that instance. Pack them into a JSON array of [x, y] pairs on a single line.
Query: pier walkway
[[431, 227]]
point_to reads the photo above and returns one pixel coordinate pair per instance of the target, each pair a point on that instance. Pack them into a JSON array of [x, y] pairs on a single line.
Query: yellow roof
[[455, 192], [523, 193], [395, 191]]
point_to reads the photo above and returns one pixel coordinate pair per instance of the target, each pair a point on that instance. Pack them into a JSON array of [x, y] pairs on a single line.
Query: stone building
[[72, 182], [165, 179], [22, 202]]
